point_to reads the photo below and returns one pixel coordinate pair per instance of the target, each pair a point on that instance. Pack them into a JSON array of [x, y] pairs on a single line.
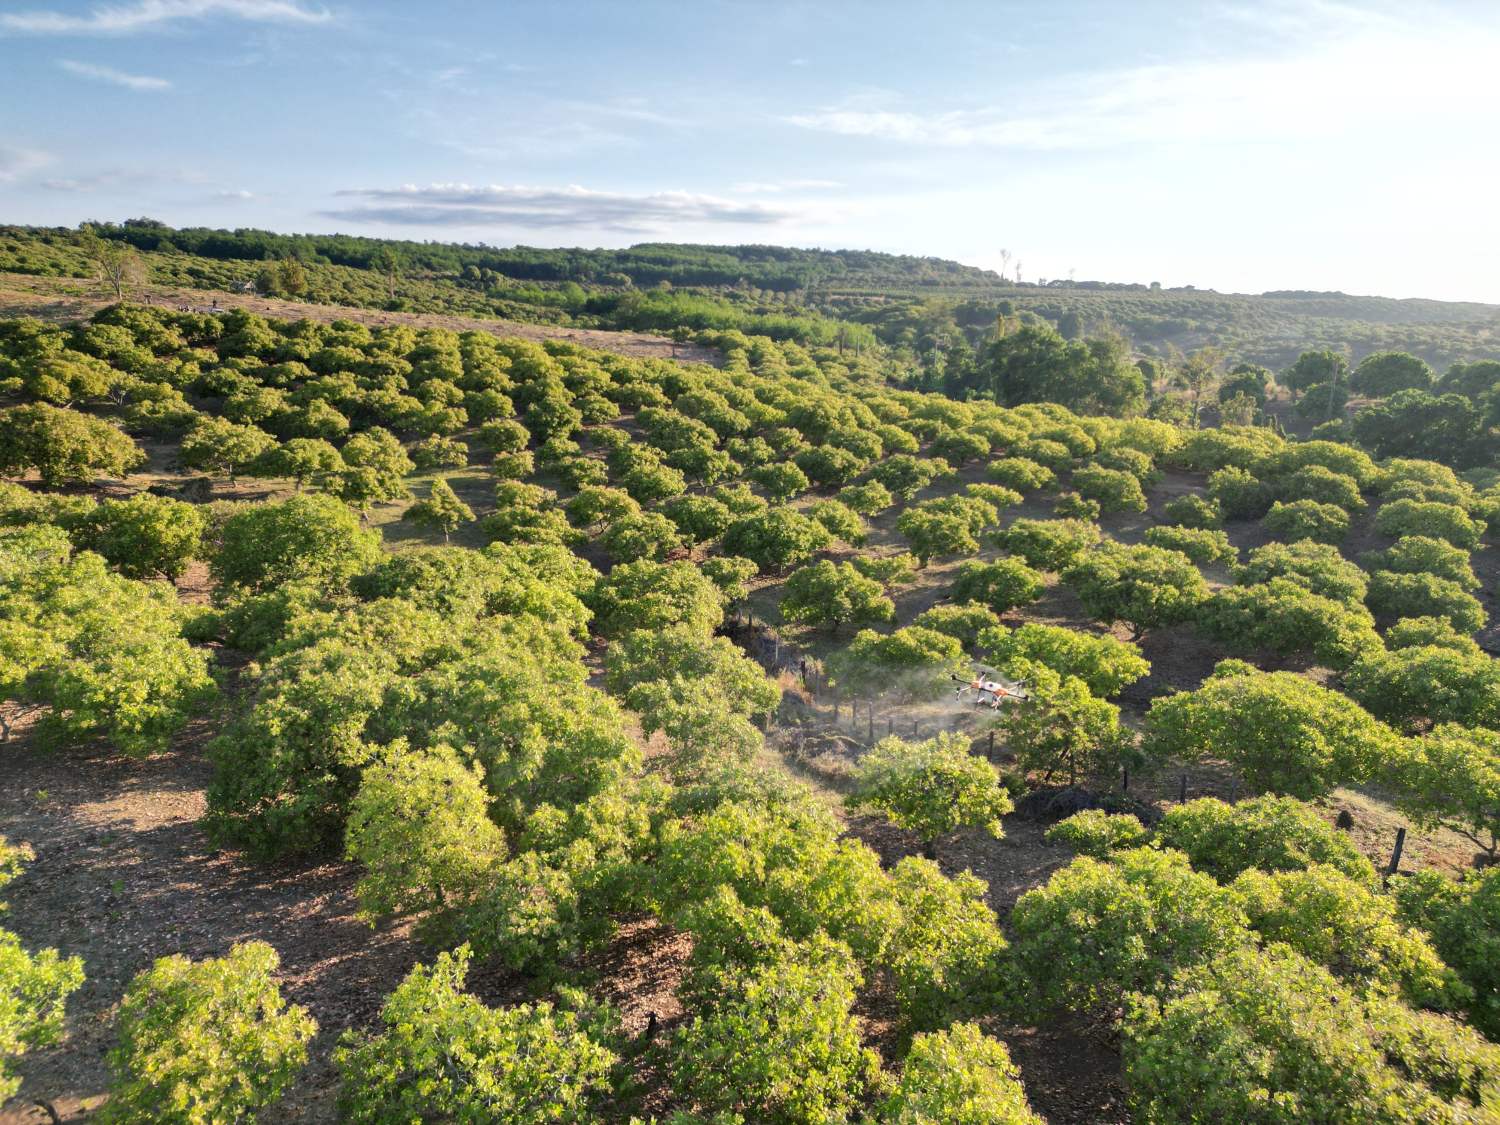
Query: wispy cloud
[[1325, 69], [754, 187], [16, 162], [461, 205], [122, 19], [114, 77]]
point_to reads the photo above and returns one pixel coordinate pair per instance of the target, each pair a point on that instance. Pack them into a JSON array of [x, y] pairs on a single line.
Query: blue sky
[[1239, 146]]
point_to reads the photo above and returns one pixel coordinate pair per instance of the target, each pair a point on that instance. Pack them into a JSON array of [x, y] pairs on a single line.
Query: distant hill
[[816, 296]]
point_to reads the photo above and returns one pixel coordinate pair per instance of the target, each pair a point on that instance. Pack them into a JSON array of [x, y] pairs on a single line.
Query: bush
[[1281, 732], [1307, 519], [775, 539], [1421, 554], [1318, 567], [206, 1041], [1063, 727], [781, 480], [1105, 664], [964, 622], [914, 662], [1096, 932], [1267, 1036], [1450, 777], [868, 498], [1193, 510], [1097, 833], [444, 1055], [1283, 617], [1019, 473], [1463, 919], [1049, 544], [931, 788], [932, 534], [1115, 489], [961, 1077], [1205, 546], [834, 594], [1267, 833], [1072, 506], [1394, 595], [1239, 494], [648, 535], [779, 1042], [1349, 930], [1314, 482], [652, 595], [1146, 587], [840, 521], [1424, 684], [1001, 585], [143, 536], [300, 538], [1433, 520]]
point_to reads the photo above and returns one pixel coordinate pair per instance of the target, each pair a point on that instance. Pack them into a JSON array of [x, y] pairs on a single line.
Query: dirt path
[[69, 299]]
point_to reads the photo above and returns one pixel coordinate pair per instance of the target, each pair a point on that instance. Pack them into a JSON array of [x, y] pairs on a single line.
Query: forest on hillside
[[405, 724], [855, 298]]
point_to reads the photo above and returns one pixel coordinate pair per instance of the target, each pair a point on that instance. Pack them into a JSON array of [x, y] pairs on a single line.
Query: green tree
[[959, 1076], [1266, 833], [1280, 731], [375, 469], [63, 446], [217, 445], [304, 460], [444, 1055], [1381, 374], [300, 538], [1097, 833], [1062, 726], [1105, 664], [933, 534], [1450, 778], [932, 788], [420, 828], [34, 987], [775, 539], [1050, 544], [1145, 587], [914, 662], [779, 1043], [1463, 918], [145, 535], [1307, 519], [207, 1041], [442, 509], [652, 595], [834, 594], [1096, 931]]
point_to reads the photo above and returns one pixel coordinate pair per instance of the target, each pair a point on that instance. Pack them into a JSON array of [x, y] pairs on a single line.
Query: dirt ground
[[68, 299]]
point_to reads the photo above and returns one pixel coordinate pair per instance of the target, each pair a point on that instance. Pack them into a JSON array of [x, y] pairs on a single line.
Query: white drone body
[[991, 691]]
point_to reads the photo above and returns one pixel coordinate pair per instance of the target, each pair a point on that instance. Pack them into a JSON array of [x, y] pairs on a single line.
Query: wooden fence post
[[1182, 790], [1395, 864]]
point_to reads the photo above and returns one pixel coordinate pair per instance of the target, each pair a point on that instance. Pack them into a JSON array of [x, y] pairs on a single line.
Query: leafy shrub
[[1049, 544], [1394, 595], [834, 594], [1193, 510], [841, 521], [1097, 833], [1463, 919], [302, 537], [1307, 519], [1096, 931], [206, 1041], [1001, 585], [932, 534], [961, 1076], [1104, 663], [1348, 929], [1072, 506], [1450, 777], [1019, 473], [1281, 732], [444, 1054], [775, 539], [964, 622], [652, 595], [1239, 494], [1425, 684], [1205, 546], [1433, 520], [1267, 833], [913, 662], [1147, 587], [1267, 1036], [143, 536], [932, 788], [649, 535], [779, 1042], [1115, 489], [868, 498], [1314, 482], [1283, 617], [1421, 554], [1317, 566]]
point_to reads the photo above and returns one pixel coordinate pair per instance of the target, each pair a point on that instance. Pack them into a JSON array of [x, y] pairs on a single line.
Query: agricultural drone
[[991, 691]]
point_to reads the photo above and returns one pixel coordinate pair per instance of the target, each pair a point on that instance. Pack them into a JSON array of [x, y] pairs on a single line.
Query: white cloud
[[1320, 70], [16, 162], [120, 19], [462, 205], [114, 77], [756, 187]]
